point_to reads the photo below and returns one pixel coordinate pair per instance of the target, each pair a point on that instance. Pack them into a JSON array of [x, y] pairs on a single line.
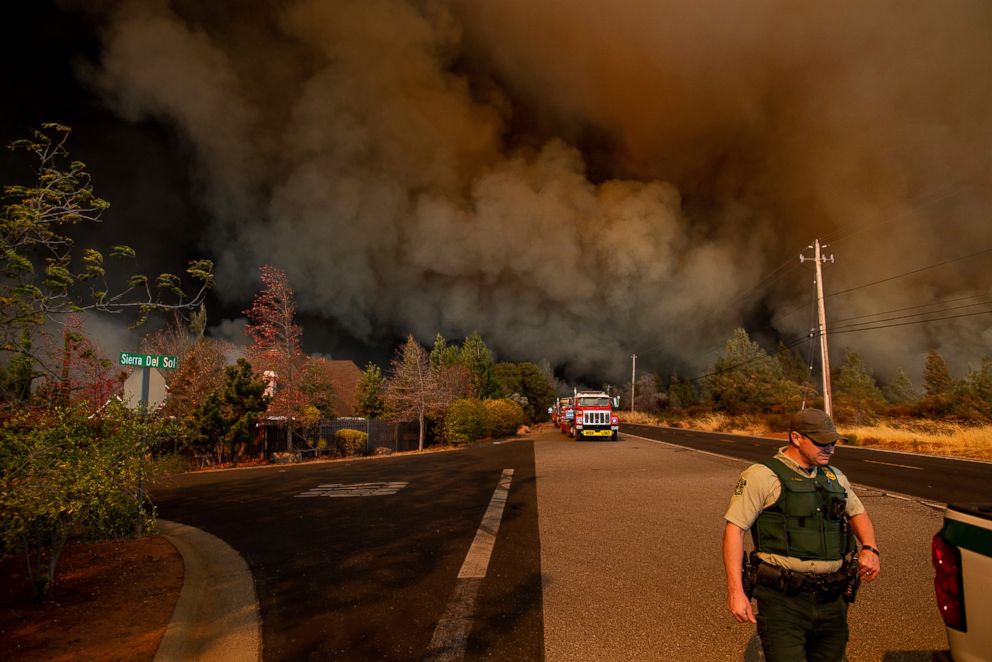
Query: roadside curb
[[216, 616]]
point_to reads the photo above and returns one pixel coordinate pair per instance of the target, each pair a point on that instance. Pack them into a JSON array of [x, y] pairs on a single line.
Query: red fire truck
[[593, 416]]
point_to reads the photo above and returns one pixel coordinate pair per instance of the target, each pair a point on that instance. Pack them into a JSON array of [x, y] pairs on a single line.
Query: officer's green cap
[[815, 424]]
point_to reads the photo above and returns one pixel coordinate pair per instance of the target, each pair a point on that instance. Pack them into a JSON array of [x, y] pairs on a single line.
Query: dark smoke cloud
[[426, 166]]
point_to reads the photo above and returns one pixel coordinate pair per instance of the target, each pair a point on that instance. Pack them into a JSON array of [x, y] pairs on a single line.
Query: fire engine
[[593, 416], [561, 412]]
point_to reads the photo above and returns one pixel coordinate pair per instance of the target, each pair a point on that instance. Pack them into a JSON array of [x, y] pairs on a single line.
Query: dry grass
[[925, 436], [636, 417], [916, 435]]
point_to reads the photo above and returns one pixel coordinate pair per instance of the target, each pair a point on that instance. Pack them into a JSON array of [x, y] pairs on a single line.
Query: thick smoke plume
[[580, 181]]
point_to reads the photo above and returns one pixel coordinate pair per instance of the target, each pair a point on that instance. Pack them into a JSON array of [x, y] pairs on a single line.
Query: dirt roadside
[[112, 601]]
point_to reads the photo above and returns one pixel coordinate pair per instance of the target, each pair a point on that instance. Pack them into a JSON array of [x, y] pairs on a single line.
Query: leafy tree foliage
[[504, 416], [527, 384], [900, 390], [681, 393], [370, 387], [201, 364], [84, 379], [42, 277], [67, 475], [508, 379], [937, 378], [69, 467], [276, 339], [971, 400], [538, 389], [317, 386], [226, 420], [858, 398], [465, 421], [745, 379]]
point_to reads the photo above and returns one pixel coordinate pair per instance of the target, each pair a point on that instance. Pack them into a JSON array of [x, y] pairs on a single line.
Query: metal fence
[[272, 436]]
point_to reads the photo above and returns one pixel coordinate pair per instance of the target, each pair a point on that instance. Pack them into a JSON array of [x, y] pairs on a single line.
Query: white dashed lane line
[[892, 464]]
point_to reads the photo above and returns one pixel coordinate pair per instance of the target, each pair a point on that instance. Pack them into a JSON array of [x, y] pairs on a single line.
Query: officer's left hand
[[870, 566]]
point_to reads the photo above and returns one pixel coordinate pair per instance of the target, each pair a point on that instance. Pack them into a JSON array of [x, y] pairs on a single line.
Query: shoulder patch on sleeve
[[739, 490]]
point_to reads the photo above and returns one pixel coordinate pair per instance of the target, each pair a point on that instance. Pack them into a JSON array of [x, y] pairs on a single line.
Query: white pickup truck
[[962, 558]]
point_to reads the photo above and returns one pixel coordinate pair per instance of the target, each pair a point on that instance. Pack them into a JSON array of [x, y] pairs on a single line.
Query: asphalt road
[[935, 479], [369, 577], [630, 554], [606, 551]]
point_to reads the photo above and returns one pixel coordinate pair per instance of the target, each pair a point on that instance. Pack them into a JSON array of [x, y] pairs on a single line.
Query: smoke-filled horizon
[[581, 181]]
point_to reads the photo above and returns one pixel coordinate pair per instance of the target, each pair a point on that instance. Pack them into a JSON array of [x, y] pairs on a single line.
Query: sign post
[[146, 362]]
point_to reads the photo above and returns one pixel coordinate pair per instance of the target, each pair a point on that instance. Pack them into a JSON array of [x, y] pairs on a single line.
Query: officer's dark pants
[[799, 628]]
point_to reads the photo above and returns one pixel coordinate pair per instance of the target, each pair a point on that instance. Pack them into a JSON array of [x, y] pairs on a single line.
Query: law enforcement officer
[[804, 570]]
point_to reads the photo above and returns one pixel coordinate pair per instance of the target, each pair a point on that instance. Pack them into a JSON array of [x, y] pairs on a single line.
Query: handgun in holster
[[749, 568], [853, 569]]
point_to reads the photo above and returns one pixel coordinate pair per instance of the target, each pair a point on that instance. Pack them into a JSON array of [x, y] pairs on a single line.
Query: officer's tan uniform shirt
[[759, 488]]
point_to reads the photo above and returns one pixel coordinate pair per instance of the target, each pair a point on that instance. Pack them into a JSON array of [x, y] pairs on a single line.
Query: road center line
[[451, 634], [892, 464]]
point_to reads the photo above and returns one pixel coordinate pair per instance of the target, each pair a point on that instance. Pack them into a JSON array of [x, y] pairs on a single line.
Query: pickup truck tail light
[[947, 582]]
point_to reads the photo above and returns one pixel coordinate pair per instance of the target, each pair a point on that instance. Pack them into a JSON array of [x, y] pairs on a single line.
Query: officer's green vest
[[797, 524]]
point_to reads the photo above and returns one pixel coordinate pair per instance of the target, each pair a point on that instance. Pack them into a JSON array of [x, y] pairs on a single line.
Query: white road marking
[[451, 634], [892, 464], [337, 490]]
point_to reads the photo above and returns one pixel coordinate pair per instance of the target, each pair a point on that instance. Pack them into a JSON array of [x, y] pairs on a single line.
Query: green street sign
[[149, 361]]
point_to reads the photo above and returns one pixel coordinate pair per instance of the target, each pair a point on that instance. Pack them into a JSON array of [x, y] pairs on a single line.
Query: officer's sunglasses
[[816, 443]]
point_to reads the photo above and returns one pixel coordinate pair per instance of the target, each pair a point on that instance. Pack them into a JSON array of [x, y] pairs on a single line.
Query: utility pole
[[819, 259], [633, 373]]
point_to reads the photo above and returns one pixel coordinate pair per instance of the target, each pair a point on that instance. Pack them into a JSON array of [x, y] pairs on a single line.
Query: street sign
[[154, 390], [149, 361]]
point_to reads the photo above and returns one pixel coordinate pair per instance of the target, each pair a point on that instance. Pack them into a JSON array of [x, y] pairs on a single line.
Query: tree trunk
[[420, 439]]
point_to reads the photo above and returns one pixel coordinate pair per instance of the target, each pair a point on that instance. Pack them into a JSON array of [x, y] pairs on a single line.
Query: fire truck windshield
[[594, 402]]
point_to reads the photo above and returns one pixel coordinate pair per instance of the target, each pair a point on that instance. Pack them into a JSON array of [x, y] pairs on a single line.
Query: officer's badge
[[739, 490], [830, 474]]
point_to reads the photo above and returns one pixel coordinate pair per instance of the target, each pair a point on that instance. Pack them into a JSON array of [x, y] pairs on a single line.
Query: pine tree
[[857, 392], [745, 379], [937, 378], [369, 402], [681, 393], [443, 354], [244, 401], [477, 358], [900, 390]]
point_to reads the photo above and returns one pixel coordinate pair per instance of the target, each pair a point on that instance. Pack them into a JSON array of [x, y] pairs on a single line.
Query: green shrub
[[167, 465], [350, 442], [465, 421], [66, 476], [505, 416]]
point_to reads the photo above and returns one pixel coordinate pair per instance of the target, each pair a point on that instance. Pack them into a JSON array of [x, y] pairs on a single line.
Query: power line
[[910, 273], [935, 319], [924, 312], [791, 311]]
